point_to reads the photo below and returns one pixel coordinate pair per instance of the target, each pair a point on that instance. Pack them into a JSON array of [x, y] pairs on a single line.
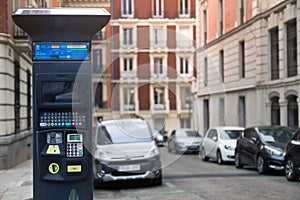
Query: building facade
[[15, 88], [153, 61], [100, 56], [248, 63]]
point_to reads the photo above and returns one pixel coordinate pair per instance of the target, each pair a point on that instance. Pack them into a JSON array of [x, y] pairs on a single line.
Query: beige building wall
[[15, 147], [257, 86]]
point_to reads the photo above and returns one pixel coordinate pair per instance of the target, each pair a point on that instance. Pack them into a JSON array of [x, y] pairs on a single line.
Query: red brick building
[[153, 60]]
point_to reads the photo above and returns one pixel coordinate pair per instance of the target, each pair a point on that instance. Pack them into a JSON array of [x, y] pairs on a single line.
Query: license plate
[[128, 168]]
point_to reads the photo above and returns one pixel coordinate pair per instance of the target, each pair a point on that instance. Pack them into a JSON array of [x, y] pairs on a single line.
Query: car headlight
[[228, 147], [160, 137], [272, 151], [102, 156], [153, 152]]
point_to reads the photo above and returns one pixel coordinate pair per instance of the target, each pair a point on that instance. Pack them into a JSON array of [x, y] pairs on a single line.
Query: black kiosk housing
[[62, 98]]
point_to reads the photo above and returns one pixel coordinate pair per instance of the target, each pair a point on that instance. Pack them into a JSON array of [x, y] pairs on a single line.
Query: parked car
[[125, 150], [219, 143], [292, 158], [184, 141], [158, 138], [263, 147]]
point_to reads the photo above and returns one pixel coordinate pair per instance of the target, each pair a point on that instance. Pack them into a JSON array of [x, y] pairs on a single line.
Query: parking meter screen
[[59, 91], [61, 51]]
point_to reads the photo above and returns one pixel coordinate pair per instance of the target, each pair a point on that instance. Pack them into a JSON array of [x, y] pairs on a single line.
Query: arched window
[[275, 111], [292, 110]]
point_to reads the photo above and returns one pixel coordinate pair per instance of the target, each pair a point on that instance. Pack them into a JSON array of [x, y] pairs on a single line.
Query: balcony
[[19, 34], [100, 35], [160, 108]]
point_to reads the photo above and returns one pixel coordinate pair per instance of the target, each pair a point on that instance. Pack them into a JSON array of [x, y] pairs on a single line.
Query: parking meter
[[62, 98]]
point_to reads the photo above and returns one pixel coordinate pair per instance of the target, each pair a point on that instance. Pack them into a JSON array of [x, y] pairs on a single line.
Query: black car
[[263, 147], [292, 158]]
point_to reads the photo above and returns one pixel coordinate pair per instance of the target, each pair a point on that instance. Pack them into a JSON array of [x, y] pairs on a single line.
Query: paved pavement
[[16, 183]]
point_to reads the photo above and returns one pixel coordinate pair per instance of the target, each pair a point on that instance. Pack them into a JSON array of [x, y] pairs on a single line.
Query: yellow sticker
[[53, 149], [53, 168], [74, 168]]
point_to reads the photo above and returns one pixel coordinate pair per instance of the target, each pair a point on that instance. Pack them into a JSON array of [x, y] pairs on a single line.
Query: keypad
[[61, 119], [74, 150]]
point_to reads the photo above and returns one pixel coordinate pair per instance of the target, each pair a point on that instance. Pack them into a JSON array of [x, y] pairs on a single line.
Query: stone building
[[248, 63], [15, 87]]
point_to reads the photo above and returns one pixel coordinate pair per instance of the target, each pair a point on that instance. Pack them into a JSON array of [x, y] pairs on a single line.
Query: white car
[[125, 150], [219, 143]]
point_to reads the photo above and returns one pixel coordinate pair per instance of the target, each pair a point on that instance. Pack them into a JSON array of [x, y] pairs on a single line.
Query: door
[[210, 144]]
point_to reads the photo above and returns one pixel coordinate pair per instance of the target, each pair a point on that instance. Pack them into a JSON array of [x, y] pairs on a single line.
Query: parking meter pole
[[62, 98]]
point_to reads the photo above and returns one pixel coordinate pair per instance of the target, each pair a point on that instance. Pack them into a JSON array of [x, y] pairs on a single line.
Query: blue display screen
[[61, 51]]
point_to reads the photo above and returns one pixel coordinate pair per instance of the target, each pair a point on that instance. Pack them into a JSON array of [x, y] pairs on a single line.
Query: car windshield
[[124, 133], [188, 133], [231, 134], [281, 135]]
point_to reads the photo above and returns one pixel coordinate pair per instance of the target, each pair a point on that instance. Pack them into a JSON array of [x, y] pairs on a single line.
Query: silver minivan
[[125, 150]]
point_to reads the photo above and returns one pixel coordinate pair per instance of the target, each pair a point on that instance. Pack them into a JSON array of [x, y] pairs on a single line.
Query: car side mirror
[[254, 140], [215, 138]]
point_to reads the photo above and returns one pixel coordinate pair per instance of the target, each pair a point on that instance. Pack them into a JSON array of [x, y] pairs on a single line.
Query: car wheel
[[97, 184], [203, 156], [261, 166], [290, 171], [158, 180], [219, 157], [237, 161]]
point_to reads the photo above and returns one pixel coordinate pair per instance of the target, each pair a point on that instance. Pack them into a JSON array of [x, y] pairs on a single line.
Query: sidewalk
[[16, 183]]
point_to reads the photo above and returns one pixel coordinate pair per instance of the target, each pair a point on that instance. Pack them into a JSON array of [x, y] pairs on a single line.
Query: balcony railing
[[19, 34], [100, 35]]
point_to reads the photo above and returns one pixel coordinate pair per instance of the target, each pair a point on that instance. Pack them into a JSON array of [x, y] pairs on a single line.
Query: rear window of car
[[281, 135], [188, 133], [231, 134], [119, 133]]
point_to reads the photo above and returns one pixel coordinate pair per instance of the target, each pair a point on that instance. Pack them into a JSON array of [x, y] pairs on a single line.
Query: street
[[187, 177]]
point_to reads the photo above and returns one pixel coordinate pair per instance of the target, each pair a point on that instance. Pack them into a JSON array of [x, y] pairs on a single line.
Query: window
[[28, 109], [204, 27], [158, 66], [291, 48], [242, 58], [17, 96], [274, 53], [158, 38], [220, 18], [184, 37], [275, 111], [185, 95], [97, 61], [221, 65], [222, 112], [206, 114], [127, 8], [292, 110], [242, 111], [159, 124], [205, 72], [127, 36], [185, 123], [100, 95], [241, 11], [129, 98], [128, 65], [158, 8], [184, 66], [184, 8], [159, 98]]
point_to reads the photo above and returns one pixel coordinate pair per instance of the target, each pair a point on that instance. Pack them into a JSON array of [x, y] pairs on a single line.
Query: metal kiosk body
[[62, 98]]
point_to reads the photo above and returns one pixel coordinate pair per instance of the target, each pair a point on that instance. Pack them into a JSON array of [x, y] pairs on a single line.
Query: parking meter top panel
[[67, 24]]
